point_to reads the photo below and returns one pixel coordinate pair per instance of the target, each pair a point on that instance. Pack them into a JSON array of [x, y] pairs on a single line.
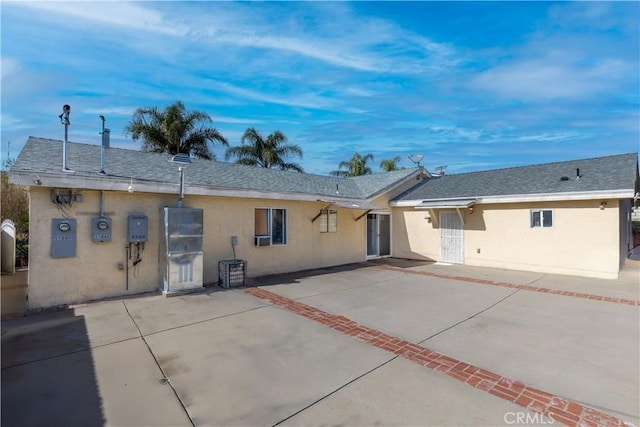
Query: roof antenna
[[441, 169], [64, 119]]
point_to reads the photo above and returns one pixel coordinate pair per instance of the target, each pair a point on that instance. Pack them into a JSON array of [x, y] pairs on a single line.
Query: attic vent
[[564, 178]]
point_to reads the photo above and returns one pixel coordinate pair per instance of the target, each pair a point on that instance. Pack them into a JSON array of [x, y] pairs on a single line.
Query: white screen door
[[451, 238], [378, 235]]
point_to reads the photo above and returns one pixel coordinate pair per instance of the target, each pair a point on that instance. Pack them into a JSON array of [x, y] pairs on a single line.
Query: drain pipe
[[126, 260]]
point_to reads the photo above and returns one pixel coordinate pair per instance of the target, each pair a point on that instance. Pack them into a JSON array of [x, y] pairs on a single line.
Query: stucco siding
[[584, 240], [94, 272], [414, 236], [306, 246], [97, 270]]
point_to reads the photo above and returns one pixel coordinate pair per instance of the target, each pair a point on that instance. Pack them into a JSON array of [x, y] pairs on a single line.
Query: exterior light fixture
[[603, 205], [471, 209]]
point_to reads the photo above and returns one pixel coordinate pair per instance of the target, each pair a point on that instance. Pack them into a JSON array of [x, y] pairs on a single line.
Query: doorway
[[378, 235], [451, 238]]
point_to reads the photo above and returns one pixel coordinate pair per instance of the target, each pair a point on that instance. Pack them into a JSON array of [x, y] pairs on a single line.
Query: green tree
[[174, 130], [265, 153], [355, 166], [389, 165], [15, 204]]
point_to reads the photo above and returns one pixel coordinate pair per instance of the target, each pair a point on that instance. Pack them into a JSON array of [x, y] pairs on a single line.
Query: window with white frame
[[541, 218], [329, 221], [271, 224]]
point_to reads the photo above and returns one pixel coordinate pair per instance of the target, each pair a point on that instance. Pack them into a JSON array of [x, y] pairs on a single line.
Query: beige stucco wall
[[94, 273], [584, 239]]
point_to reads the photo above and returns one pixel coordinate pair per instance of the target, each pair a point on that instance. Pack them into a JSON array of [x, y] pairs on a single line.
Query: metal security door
[[451, 238]]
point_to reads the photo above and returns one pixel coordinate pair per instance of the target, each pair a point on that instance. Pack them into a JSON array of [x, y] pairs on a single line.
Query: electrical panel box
[[101, 229], [63, 237], [137, 228], [61, 196]]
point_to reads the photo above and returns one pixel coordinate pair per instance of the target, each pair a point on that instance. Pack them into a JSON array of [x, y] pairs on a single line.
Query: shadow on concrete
[[295, 277], [401, 262], [13, 293], [48, 372]]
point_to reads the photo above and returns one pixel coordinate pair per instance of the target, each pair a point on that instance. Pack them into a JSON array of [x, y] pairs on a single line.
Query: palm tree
[[269, 153], [356, 166], [174, 130], [389, 165]]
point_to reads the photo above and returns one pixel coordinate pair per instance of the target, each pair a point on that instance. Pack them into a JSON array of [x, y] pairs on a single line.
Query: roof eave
[[98, 182], [396, 184], [524, 198]]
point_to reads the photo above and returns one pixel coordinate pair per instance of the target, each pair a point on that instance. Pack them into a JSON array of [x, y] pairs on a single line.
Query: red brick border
[[514, 286], [559, 409]]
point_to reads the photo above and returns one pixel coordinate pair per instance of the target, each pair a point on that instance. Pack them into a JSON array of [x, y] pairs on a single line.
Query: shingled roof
[[43, 157], [616, 173]]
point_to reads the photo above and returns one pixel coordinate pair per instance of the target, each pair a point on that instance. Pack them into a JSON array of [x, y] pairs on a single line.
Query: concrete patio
[[277, 354]]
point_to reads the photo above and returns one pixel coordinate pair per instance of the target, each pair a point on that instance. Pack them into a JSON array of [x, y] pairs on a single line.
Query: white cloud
[[9, 66], [235, 120], [335, 37], [306, 101], [115, 111], [112, 13], [13, 122]]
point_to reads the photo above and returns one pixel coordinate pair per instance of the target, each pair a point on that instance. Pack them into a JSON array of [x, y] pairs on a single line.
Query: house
[[569, 217], [280, 221], [100, 227]]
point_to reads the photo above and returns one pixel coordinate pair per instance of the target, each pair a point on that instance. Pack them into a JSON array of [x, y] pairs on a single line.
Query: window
[[271, 224], [541, 218], [329, 221]]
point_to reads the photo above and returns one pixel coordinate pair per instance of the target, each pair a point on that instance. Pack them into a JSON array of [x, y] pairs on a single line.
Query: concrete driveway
[[379, 343]]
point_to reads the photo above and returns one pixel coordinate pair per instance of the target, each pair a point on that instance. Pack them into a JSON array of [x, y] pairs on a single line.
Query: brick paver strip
[[560, 409], [514, 286]]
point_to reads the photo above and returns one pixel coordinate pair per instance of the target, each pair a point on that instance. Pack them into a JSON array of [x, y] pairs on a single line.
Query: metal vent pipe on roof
[[105, 144], [64, 119]]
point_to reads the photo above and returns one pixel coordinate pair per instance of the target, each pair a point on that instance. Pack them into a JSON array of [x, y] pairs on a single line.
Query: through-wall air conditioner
[[262, 241]]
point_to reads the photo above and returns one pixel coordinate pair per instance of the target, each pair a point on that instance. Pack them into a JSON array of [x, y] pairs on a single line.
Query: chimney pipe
[[105, 145], [106, 138], [64, 119], [102, 153], [578, 176]]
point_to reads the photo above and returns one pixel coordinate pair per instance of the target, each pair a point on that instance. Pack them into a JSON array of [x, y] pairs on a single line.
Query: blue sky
[[470, 85]]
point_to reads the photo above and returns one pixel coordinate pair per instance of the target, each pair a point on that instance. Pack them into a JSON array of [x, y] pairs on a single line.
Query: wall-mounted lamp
[[130, 188], [471, 209], [37, 181], [428, 218], [603, 205]]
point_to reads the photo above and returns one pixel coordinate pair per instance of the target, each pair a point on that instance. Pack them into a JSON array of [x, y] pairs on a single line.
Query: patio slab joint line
[[559, 409], [622, 301]]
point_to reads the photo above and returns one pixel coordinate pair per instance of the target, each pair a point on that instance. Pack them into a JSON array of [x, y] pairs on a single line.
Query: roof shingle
[[609, 173], [44, 156]]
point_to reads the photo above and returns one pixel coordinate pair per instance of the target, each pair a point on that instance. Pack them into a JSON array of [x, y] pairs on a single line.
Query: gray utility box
[[181, 263], [232, 273], [63, 237], [101, 229]]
